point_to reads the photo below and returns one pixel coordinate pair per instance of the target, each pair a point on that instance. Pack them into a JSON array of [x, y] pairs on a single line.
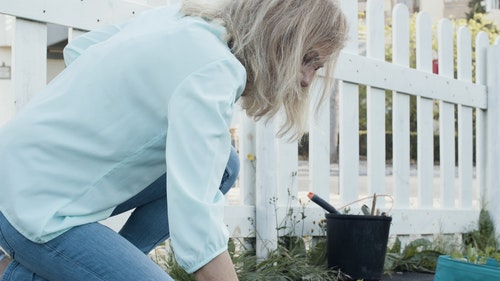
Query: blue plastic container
[[449, 269]]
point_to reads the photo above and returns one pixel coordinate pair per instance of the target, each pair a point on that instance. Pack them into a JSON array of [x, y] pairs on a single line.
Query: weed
[[419, 255], [422, 254], [480, 244]]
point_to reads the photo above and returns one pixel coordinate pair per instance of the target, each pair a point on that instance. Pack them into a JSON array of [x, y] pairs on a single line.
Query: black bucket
[[357, 244]]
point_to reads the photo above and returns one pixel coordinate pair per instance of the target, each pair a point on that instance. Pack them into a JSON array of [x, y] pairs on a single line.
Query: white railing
[[446, 201]]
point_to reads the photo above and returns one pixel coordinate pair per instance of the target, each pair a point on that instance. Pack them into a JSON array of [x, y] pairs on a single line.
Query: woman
[[140, 120]]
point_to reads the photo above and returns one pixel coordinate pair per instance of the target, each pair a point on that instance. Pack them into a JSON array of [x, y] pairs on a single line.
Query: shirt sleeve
[[197, 150], [79, 44]]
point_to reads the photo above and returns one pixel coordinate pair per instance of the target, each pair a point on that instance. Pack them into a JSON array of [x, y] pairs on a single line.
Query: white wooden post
[[375, 103], [349, 116], [465, 141], [482, 43], [248, 167], [446, 118], [425, 118], [334, 124], [493, 134], [319, 142], [287, 166], [401, 110], [29, 60], [266, 189]]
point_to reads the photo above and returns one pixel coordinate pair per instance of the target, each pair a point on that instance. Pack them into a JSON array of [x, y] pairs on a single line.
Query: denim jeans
[[94, 252]]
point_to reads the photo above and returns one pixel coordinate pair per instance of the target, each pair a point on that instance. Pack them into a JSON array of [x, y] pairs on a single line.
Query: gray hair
[[271, 39]]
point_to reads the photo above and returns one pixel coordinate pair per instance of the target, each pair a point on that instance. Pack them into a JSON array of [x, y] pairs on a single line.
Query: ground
[[409, 276]]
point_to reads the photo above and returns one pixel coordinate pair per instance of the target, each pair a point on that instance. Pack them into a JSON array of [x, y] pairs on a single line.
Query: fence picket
[[425, 118], [349, 117], [492, 190], [465, 141], [319, 143], [446, 118], [375, 104], [287, 172], [247, 151], [401, 111], [266, 188], [482, 42]]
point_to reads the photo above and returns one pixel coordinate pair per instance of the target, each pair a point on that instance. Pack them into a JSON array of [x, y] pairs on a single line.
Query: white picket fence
[[443, 201]]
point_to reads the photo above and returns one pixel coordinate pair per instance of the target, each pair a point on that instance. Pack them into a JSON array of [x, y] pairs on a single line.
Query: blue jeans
[[94, 252]]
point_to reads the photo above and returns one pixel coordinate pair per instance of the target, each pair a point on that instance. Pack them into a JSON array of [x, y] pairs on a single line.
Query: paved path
[[234, 196]]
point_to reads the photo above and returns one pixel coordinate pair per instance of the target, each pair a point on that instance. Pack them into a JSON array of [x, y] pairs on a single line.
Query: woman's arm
[[219, 269], [197, 149]]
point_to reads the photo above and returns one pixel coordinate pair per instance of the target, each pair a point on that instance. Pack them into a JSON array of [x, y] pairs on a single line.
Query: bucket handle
[[373, 197]]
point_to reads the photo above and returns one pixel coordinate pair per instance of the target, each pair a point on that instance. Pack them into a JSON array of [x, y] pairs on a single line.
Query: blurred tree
[[476, 7]]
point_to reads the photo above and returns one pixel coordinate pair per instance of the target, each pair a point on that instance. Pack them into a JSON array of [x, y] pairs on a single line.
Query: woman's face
[[311, 62]]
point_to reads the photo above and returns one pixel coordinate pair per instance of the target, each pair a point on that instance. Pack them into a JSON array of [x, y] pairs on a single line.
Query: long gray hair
[[271, 39]]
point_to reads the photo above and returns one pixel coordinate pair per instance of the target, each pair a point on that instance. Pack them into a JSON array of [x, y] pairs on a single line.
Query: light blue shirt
[[153, 95]]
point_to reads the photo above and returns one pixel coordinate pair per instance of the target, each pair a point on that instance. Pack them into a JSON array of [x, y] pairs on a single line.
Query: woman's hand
[[221, 268]]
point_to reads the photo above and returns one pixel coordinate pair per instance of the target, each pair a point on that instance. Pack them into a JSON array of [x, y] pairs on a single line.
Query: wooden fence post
[[425, 119], [266, 189], [375, 100], [349, 116], [446, 118], [465, 141], [319, 142], [401, 110], [482, 43], [492, 192]]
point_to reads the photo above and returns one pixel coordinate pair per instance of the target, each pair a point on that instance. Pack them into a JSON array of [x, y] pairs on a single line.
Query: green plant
[[484, 235], [290, 261], [419, 255], [296, 258], [476, 256], [480, 244], [422, 254]]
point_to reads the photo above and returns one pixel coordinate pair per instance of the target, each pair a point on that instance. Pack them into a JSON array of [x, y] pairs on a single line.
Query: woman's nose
[[307, 76]]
